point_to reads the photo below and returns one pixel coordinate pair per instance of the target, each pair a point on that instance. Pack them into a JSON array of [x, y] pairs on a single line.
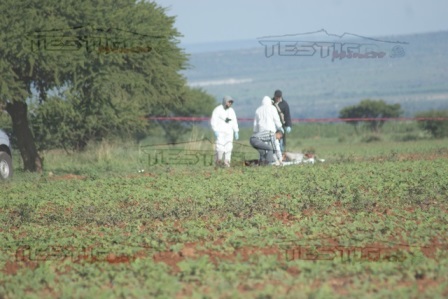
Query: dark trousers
[[265, 149], [283, 140]]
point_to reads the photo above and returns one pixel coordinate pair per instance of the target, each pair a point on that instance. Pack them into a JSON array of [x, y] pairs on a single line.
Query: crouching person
[[268, 145]]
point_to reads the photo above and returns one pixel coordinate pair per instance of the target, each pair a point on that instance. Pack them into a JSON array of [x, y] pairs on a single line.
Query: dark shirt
[[284, 108]]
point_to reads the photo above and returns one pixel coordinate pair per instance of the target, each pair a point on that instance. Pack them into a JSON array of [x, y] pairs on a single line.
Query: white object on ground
[[298, 158]]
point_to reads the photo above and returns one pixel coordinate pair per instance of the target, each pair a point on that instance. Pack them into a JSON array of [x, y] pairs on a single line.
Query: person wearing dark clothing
[[285, 117], [268, 146]]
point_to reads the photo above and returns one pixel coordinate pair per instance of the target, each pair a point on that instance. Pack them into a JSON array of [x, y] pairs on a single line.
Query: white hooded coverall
[[225, 131], [266, 117]]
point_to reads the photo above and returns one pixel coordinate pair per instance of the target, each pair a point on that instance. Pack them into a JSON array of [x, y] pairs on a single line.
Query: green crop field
[[369, 222]]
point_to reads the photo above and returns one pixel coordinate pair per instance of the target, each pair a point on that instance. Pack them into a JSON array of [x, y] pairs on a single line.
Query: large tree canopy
[[374, 113], [65, 123], [98, 53]]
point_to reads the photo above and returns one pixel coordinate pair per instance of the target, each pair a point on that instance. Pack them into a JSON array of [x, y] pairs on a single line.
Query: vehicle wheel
[[5, 166]]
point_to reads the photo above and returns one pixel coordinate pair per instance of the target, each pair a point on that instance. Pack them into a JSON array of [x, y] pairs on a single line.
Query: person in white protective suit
[[225, 126], [267, 118]]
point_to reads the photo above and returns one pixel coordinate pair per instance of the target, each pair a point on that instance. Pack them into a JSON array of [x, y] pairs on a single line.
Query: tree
[[98, 54], [64, 123], [196, 103], [435, 122], [375, 113]]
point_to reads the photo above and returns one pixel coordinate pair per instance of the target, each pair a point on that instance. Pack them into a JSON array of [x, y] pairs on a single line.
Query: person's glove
[[288, 129], [216, 134], [227, 120], [283, 131], [237, 136]]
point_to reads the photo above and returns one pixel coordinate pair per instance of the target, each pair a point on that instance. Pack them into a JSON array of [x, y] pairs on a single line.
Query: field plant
[[371, 221]]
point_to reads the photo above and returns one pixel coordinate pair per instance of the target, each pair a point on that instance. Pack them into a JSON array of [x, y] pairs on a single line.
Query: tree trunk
[[25, 139]]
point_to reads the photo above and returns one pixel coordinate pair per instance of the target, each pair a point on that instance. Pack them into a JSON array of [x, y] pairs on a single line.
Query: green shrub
[[408, 137], [434, 122], [371, 138], [72, 123]]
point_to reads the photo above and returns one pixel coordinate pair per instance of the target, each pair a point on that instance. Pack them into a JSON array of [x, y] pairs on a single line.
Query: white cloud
[[229, 81]]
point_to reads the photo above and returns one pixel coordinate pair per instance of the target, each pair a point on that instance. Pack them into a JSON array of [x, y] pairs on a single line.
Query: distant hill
[[317, 79]]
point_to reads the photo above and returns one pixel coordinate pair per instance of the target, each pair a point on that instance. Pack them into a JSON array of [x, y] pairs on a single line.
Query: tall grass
[[329, 141], [199, 139], [98, 157]]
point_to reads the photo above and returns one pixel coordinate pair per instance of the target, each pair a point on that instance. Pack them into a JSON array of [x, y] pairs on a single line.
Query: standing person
[[225, 126], [283, 111], [268, 145], [266, 117]]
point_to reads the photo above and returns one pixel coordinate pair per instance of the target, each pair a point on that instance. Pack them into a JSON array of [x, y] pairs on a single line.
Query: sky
[[204, 21]]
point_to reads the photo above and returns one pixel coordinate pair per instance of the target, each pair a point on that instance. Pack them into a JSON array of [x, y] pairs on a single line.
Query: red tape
[[304, 120]]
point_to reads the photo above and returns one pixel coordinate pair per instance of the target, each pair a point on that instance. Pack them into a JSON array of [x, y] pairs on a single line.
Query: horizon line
[[247, 39]]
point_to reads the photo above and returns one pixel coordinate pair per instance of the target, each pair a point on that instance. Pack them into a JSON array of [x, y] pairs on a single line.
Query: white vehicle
[[5, 157]]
